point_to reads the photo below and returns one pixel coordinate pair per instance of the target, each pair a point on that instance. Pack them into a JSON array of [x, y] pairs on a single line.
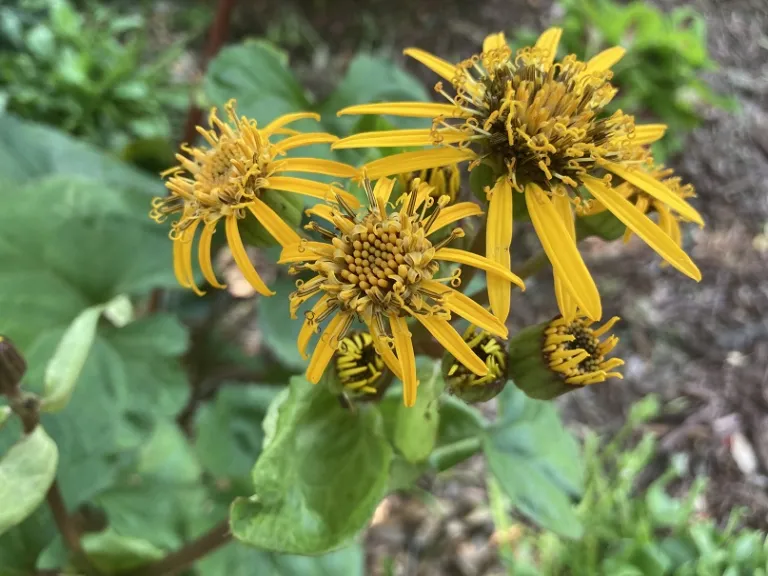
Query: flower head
[[359, 368], [381, 267], [541, 126], [229, 179], [466, 384], [555, 357]]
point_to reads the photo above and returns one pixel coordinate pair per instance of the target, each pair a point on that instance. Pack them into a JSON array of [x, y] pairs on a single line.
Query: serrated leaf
[[416, 427], [27, 471], [319, 480]]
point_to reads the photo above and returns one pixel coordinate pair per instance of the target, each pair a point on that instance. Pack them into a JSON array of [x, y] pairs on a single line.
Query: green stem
[[448, 456]]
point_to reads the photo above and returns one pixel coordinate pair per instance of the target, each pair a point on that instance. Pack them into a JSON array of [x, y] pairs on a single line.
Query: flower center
[[358, 365]]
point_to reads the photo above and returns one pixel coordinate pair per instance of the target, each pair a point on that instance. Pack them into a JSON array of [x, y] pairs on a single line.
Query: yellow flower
[[539, 124], [469, 386], [445, 181], [358, 366], [229, 178], [380, 267], [556, 357]]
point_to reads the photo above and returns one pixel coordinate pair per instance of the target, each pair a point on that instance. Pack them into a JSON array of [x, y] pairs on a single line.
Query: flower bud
[[360, 371], [553, 358], [462, 382], [12, 366]]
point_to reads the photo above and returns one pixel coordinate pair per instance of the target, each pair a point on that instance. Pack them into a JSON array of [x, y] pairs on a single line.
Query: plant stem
[[68, 530], [189, 554]]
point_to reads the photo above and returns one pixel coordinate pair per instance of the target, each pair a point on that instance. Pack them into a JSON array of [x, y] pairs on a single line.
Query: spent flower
[[466, 384]]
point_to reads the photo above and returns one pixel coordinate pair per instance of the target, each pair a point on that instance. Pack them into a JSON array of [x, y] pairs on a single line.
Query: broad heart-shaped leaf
[[27, 470], [229, 437], [29, 151], [256, 74], [416, 427], [372, 79], [535, 461], [282, 332], [319, 480]]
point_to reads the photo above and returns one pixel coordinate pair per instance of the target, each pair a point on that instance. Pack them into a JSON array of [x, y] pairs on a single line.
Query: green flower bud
[[12, 366], [553, 358], [360, 372], [465, 384]]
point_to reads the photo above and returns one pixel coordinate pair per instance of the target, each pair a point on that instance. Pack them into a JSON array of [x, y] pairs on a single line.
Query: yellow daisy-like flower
[[380, 267], [539, 124], [445, 181], [228, 179]]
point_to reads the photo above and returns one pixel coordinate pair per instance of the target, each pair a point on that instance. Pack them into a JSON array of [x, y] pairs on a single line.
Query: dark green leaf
[[282, 331], [319, 480]]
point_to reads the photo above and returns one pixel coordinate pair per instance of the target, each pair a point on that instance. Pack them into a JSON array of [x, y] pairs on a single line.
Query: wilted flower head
[[558, 356], [541, 126], [381, 267], [229, 178], [466, 384]]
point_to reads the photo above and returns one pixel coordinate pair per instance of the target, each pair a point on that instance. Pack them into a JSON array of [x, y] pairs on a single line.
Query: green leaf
[[27, 470], [319, 480], [229, 438], [256, 74], [275, 319], [112, 553], [458, 421], [535, 461], [603, 225], [5, 413], [416, 427]]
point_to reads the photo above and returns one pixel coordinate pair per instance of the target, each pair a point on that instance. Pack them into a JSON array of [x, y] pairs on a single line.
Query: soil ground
[[704, 346]]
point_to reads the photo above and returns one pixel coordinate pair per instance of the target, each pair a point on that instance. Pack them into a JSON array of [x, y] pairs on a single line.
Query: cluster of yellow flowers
[[538, 124]]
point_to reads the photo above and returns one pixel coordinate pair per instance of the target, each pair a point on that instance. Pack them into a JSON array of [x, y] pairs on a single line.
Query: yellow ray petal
[[658, 190], [605, 59], [382, 191], [286, 119], [406, 109], [204, 254], [454, 213], [327, 345], [304, 139], [311, 188], [498, 237], [404, 347], [380, 342], [648, 133], [273, 224], [398, 138], [548, 41], [494, 42], [643, 226], [241, 257], [323, 211], [417, 161], [316, 166], [437, 65], [453, 343], [565, 302], [187, 238], [309, 325], [669, 223], [305, 251], [470, 259], [562, 251], [468, 309]]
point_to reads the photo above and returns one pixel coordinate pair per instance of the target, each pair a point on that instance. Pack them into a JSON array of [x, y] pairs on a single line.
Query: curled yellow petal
[[470, 259], [406, 109], [316, 166], [304, 139], [643, 226], [437, 65], [454, 213], [548, 42], [381, 343], [498, 237], [309, 325], [468, 309], [658, 190], [204, 254], [241, 258], [273, 224], [417, 161], [178, 263], [382, 191], [312, 189], [305, 251], [404, 347], [187, 238], [494, 42], [286, 119], [648, 133], [605, 59], [453, 343], [327, 345], [399, 138], [562, 251]]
